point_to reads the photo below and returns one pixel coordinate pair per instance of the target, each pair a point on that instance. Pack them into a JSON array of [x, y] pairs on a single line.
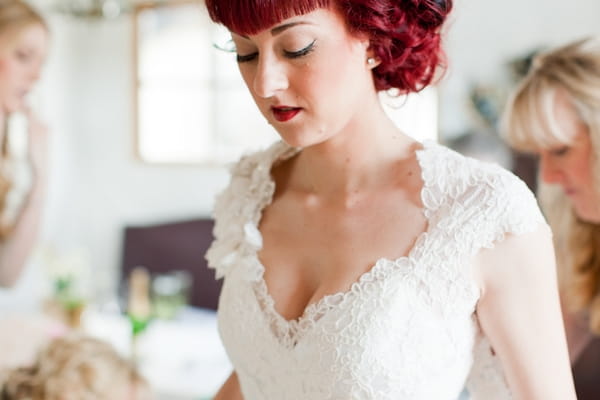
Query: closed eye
[[246, 57], [22, 56], [560, 151], [241, 58], [300, 53]]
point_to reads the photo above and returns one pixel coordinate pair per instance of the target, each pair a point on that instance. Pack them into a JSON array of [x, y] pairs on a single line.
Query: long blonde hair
[[74, 368], [529, 125]]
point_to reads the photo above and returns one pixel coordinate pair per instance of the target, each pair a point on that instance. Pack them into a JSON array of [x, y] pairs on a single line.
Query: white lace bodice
[[407, 329]]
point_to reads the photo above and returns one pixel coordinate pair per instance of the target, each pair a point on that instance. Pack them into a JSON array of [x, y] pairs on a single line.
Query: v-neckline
[[290, 331]]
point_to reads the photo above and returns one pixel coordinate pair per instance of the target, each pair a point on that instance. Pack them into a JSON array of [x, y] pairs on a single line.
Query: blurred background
[[146, 111]]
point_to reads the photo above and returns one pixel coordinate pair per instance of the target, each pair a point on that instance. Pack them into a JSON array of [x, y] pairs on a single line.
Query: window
[[192, 105]]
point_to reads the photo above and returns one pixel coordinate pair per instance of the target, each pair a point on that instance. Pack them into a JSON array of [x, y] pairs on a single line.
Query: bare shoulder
[[518, 258], [519, 312]]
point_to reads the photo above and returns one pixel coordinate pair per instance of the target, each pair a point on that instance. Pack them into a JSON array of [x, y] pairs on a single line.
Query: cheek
[[316, 77], [248, 78], [245, 77], [584, 166], [326, 81], [4, 67], [8, 71], [334, 65]]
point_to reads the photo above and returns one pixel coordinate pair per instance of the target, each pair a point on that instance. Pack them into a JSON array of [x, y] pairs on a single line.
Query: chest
[[312, 250]]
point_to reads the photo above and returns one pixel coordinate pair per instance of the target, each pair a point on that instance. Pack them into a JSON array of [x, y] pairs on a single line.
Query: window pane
[[175, 122]]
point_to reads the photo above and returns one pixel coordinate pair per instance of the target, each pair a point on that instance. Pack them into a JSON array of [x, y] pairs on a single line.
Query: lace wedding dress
[[407, 329]]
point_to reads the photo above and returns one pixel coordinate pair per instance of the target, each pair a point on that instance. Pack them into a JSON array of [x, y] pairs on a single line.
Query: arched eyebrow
[[279, 29]]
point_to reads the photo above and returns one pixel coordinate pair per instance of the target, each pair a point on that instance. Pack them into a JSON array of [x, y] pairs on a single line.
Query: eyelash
[[300, 53], [245, 58], [289, 54]]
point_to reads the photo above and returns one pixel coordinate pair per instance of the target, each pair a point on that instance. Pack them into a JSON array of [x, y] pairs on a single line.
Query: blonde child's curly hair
[[76, 368]]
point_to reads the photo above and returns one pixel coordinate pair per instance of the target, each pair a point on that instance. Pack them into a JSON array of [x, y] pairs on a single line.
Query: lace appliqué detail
[[238, 209], [404, 325]]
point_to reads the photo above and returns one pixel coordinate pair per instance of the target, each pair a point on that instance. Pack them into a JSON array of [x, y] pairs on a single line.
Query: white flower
[[252, 235]]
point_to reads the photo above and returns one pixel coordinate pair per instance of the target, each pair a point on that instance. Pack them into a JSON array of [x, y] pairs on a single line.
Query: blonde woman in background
[[23, 46], [555, 113], [76, 368]]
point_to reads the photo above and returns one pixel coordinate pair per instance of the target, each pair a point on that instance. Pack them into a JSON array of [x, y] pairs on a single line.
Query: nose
[[271, 77], [550, 171]]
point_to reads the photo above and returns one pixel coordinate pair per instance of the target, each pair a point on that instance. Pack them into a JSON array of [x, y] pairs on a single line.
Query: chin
[[589, 216], [295, 141], [303, 140]]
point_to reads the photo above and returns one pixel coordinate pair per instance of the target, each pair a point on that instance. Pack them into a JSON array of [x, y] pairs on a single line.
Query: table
[[183, 358]]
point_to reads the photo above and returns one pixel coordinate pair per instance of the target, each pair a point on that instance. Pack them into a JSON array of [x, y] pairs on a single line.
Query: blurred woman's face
[[570, 166], [22, 55]]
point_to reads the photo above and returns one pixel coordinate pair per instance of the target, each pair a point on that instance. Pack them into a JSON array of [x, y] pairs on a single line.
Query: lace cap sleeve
[[230, 214], [516, 208], [238, 208], [483, 199]]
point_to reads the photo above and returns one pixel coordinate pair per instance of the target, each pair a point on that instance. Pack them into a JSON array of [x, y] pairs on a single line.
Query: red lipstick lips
[[284, 113]]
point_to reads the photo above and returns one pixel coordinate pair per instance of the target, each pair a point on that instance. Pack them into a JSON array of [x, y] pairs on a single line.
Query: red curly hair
[[404, 34]]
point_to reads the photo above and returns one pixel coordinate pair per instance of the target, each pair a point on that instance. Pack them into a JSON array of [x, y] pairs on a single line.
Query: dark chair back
[[174, 246], [586, 372]]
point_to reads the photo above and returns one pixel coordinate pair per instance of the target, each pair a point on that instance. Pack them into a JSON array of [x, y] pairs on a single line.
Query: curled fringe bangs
[[247, 17]]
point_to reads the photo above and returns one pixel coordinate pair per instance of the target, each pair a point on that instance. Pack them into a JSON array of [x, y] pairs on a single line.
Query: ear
[[362, 43]]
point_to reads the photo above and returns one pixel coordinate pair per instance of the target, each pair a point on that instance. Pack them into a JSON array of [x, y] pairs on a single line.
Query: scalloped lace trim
[[290, 331], [258, 191]]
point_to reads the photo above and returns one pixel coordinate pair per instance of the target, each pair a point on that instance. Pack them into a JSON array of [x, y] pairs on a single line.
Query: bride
[[359, 263]]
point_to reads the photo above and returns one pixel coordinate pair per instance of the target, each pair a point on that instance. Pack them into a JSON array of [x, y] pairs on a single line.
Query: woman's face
[[308, 75], [570, 166], [22, 55]]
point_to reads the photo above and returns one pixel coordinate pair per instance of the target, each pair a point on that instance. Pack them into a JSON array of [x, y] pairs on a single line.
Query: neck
[[360, 157]]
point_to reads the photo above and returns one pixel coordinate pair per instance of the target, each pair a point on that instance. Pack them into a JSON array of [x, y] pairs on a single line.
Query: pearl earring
[[371, 61]]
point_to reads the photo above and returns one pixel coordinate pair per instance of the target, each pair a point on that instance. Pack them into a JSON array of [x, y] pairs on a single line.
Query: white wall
[[96, 184]]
